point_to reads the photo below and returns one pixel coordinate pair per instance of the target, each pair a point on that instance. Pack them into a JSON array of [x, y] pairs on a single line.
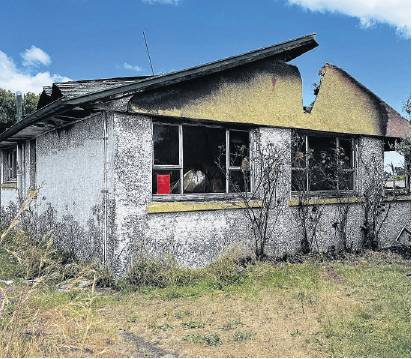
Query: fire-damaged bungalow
[[129, 164]]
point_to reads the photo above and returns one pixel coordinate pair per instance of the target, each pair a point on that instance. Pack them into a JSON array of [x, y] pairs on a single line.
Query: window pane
[[299, 182], [346, 181], [204, 159], [166, 144], [321, 180], [239, 181], [239, 148], [166, 182], [345, 153], [394, 167], [10, 165], [322, 163], [298, 151]]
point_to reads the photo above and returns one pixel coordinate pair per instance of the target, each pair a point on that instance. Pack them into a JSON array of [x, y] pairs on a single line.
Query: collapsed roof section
[[341, 99]]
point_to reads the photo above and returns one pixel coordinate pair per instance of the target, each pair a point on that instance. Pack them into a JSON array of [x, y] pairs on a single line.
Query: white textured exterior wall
[[8, 195], [70, 169], [196, 238], [70, 178]]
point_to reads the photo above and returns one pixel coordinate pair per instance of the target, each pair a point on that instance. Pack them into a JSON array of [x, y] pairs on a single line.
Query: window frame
[[199, 196], [333, 192], [7, 169], [390, 190]]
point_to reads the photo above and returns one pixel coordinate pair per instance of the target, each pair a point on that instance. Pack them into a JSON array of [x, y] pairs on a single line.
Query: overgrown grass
[[359, 306]]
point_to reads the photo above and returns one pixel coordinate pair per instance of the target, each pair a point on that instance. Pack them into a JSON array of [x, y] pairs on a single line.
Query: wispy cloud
[[16, 79], [135, 68], [161, 2], [35, 56], [393, 12]]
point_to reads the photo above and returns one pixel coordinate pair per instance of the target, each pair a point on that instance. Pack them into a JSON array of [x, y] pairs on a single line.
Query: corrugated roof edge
[[305, 43]]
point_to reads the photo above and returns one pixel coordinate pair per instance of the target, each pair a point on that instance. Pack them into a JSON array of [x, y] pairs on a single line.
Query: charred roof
[[62, 97], [396, 125]]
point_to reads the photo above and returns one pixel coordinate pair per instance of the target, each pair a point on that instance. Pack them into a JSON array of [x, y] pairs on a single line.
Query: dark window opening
[[239, 181], [166, 145], [202, 147], [239, 148], [322, 163], [191, 159], [10, 165]]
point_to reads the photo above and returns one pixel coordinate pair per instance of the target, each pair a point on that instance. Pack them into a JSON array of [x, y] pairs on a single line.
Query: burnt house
[[128, 164]]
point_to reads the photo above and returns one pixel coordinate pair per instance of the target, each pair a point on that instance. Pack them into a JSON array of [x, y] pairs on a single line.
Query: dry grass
[[343, 308]]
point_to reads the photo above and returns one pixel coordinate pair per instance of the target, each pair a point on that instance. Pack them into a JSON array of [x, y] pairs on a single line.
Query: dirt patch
[[145, 348]]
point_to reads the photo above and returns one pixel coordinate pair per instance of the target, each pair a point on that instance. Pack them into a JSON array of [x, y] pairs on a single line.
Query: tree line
[[8, 106]]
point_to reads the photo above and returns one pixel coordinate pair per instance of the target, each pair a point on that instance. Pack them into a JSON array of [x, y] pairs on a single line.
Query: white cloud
[[15, 79], [161, 2], [136, 68], [35, 56], [393, 12]]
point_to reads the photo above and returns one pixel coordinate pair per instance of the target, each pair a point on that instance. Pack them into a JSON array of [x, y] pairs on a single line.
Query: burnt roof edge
[[306, 43], [382, 104]]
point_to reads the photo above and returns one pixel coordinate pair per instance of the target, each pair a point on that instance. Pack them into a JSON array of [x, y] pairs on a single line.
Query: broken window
[[396, 174], [192, 159], [10, 165], [322, 163]]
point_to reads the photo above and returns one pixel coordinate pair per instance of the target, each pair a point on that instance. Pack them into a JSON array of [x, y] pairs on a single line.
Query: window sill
[[294, 202], [311, 201], [196, 197], [9, 185], [172, 207]]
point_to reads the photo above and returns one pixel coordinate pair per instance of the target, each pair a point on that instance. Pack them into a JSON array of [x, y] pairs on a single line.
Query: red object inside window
[[163, 184]]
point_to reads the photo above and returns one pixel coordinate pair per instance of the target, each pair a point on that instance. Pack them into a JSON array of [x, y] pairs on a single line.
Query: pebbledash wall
[[195, 238], [94, 182]]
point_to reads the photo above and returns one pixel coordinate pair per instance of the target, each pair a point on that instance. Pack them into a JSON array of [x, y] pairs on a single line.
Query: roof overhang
[[284, 51]]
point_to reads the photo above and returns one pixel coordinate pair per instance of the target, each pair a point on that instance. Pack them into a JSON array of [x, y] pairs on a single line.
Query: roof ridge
[[249, 53], [284, 51]]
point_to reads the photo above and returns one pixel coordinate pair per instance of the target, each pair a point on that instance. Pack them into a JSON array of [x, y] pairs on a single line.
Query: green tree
[[30, 103], [8, 106]]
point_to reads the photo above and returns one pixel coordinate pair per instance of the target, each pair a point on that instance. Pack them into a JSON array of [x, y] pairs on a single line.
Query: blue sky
[[46, 40]]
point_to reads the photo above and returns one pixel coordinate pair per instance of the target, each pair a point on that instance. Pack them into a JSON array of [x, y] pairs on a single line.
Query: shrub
[[147, 272], [34, 259], [225, 271], [156, 272]]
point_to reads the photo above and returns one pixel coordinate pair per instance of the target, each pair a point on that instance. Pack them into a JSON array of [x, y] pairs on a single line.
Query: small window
[[194, 159], [395, 168], [10, 165], [322, 163], [166, 145]]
